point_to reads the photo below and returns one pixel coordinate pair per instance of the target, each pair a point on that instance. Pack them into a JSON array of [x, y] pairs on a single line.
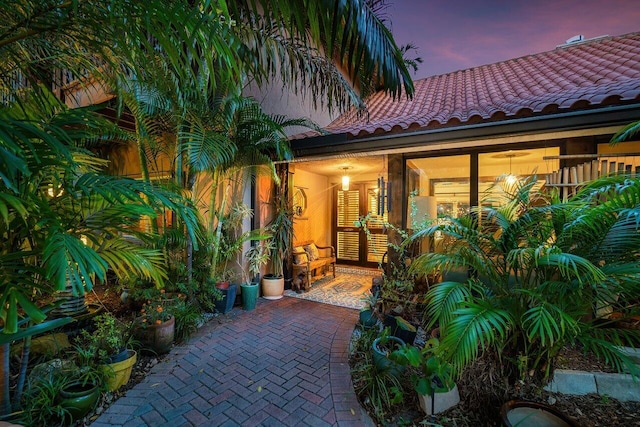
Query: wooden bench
[[303, 263]]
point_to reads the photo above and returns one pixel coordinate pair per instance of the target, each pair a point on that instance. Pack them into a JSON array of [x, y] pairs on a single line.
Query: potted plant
[[84, 382], [401, 328], [155, 328], [256, 257], [110, 342], [382, 348], [281, 230], [434, 382], [368, 316]]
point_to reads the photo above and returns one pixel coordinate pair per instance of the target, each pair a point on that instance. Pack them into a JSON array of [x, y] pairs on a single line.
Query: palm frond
[[473, 327]]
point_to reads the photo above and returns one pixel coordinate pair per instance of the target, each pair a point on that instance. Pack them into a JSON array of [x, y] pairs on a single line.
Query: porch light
[[345, 180]]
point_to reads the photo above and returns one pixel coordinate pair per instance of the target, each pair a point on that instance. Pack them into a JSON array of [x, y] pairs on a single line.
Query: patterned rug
[[346, 290]]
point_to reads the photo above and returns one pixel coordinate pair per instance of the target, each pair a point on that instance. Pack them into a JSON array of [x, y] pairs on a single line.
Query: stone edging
[[617, 386]]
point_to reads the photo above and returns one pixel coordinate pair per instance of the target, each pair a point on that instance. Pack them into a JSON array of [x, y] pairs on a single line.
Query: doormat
[[346, 290]]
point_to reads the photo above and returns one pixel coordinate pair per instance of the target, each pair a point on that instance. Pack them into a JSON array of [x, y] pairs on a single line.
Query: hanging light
[[345, 180], [510, 179]]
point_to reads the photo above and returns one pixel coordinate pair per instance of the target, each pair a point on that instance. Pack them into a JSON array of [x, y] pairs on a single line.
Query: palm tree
[[183, 53], [540, 270]]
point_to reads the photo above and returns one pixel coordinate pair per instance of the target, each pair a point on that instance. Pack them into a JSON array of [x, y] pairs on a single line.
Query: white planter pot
[[272, 287], [442, 401]]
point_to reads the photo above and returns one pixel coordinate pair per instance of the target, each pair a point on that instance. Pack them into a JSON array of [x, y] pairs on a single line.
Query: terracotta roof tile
[[594, 72]]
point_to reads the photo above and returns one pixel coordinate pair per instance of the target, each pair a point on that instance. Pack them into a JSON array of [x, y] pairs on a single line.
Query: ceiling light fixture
[[345, 179]]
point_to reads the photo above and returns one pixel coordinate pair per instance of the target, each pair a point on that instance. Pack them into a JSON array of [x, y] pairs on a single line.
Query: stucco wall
[[315, 222], [275, 99]]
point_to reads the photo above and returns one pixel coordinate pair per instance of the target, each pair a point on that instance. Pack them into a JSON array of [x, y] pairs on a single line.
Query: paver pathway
[[283, 364]]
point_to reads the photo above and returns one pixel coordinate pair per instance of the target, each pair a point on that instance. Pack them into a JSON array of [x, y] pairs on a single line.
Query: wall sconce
[[345, 179]]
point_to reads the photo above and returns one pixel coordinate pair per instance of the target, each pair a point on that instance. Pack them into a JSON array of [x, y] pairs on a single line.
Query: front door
[[353, 245]]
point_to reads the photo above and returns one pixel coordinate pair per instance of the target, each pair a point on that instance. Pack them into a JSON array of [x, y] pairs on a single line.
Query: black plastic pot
[[397, 331]]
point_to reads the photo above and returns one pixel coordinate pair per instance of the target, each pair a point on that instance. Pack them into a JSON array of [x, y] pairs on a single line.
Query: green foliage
[[109, 337], [435, 373], [40, 402], [187, 317], [540, 269], [379, 391]]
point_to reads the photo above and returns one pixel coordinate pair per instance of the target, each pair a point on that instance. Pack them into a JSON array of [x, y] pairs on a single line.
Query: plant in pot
[[368, 316], [110, 343], [433, 381], [229, 241], [256, 257], [281, 230], [154, 329], [85, 381], [382, 348]]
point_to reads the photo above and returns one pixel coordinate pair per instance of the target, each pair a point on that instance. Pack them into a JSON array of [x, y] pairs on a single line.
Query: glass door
[[353, 246]]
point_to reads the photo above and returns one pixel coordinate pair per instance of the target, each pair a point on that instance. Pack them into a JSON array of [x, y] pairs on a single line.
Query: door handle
[[350, 229]]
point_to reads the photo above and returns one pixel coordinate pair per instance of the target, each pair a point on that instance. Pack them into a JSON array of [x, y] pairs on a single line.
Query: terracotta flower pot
[[530, 414], [272, 287], [156, 338]]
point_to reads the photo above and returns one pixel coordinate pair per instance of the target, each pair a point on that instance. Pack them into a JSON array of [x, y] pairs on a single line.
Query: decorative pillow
[[300, 258], [312, 251]]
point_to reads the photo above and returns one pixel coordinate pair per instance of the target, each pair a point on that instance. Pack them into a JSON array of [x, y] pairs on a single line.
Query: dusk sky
[[453, 35]]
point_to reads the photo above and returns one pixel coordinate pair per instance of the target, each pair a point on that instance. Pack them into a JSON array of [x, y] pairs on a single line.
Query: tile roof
[[595, 72]]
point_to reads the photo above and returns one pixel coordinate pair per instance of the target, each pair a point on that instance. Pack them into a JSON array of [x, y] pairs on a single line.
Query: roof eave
[[618, 115]]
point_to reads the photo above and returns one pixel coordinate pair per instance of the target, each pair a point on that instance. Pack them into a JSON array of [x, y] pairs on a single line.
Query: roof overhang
[[596, 121]]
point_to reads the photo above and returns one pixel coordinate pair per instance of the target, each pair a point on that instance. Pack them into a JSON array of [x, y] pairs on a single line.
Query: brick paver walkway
[[282, 364]]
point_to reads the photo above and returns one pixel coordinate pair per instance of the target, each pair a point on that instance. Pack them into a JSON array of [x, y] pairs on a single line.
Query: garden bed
[[482, 394]]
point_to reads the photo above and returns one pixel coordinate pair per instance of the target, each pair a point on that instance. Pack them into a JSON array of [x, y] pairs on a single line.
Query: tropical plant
[[398, 280], [379, 390], [256, 258], [434, 373], [540, 269], [110, 337], [280, 228], [187, 317]]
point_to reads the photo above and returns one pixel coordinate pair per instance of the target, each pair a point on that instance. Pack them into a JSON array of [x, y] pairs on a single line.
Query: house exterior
[[551, 114]]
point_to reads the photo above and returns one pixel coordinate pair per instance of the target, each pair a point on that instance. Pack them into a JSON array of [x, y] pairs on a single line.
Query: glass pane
[[444, 180], [498, 171], [438, 187]]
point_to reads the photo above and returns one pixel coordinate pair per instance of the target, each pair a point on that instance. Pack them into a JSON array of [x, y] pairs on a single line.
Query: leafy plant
[[435, 373], [378, 390], [158, 309], [539, 269], [256, 258], [40, 403], [280, 228], [110, 336], [187, 317]]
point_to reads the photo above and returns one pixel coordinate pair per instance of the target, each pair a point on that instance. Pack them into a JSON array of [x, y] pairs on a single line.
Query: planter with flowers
[[155, 328], [109, 342]]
